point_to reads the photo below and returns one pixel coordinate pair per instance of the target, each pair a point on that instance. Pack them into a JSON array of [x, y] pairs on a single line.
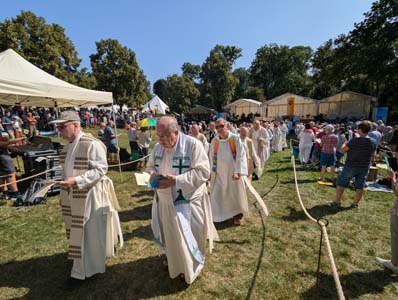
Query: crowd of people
[[200, 172]]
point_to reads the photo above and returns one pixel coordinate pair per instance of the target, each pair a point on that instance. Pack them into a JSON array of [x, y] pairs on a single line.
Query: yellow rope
[[60, 167], [340, 292]]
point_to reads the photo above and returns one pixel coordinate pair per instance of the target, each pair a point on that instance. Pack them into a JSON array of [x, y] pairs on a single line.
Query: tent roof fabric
[[199, 109], [156, 104], [286, 95], [240, 101], [23, 83], [363, 96]]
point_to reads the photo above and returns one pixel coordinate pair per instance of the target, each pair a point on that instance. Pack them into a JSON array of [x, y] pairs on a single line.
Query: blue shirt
[[108, 132], [6, 119], [374, 134]]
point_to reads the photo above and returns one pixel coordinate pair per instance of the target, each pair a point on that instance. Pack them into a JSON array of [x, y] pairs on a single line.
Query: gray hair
[[169, 122]]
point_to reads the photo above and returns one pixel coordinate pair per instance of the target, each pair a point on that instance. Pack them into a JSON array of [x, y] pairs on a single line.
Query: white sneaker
[[388, 264]]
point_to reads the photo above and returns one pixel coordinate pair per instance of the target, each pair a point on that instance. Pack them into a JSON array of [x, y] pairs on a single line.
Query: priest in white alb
[[88, 201], [181, 212], [229, 165], [261, 143]]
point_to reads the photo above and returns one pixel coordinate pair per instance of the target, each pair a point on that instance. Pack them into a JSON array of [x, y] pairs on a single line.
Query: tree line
[[364, 60]]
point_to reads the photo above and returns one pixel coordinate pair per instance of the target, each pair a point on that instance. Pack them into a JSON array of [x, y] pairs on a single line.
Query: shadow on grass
[[317, 211], [143, 193], [143, 232], [44, 278], [278, 170], [298, 181], [138, 213], [224, 225], [354, 284]]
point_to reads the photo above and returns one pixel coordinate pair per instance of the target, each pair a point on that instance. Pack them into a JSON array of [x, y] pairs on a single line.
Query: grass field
[[266, 258]]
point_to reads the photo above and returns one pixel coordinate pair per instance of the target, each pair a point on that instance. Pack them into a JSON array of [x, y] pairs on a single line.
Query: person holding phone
[[392, 264]]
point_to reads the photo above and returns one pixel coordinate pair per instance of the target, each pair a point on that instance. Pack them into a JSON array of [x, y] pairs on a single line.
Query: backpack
[[28, 198]]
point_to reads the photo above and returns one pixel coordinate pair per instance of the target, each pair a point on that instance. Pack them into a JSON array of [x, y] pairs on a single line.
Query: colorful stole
[[232, 146]]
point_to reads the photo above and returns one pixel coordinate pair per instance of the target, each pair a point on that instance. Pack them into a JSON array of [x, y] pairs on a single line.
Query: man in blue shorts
[[360, 151]]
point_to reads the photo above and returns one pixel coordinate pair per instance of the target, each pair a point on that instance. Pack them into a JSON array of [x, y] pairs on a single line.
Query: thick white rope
[[340, 292]]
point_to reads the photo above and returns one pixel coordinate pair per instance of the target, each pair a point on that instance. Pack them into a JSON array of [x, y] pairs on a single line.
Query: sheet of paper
[[142, 178], [43, 191], [256, 195]]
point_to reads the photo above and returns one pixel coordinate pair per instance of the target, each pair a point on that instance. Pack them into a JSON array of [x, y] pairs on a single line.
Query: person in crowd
[[306, 140], [211, 133], [6, 122], [196, 134], [284, 131], [276, 143], [16, 124], [31, 120], [8, 180], [252, 159], [229, 164], [360, 152], [342, 140], [110, 137], [101, 132], [392, 264], [259, 136], [375, 134], [88, 201], [328, 151], [132, 135], [144, 140], [181, 214]]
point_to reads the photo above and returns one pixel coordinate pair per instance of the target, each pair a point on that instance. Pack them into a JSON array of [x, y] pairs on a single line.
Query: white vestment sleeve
[[98, 166], [241, 161], [199, 172]]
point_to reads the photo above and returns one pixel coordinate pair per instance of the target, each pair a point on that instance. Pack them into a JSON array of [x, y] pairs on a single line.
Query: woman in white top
[[306, 138]]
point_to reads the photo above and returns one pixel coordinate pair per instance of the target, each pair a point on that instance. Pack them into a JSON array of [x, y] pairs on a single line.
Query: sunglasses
[[220, 126]]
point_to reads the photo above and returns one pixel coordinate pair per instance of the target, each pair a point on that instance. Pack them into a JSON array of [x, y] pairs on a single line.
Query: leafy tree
[[218, 81], [280, 69], [116, 69], [160, 88], [192, 71], [255, 93], [181, 93], [44, 45], [243, 76]]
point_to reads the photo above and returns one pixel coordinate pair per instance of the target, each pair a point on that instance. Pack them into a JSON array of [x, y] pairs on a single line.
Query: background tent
[[245, 106], [347, 105], [290, 104], [156, 105], [25, 84], [199, 109]]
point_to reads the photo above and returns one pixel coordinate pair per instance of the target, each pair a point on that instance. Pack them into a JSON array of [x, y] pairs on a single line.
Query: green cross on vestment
[[180, 166], [180, 198]]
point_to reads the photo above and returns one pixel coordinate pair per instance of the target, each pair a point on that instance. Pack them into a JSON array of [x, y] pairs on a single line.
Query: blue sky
[[165, 34]]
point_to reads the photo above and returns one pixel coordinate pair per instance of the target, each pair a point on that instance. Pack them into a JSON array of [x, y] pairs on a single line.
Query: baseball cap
[[66, 116]]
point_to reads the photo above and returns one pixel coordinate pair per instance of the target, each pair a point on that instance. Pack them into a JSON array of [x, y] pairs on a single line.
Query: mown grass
[[270, 258]]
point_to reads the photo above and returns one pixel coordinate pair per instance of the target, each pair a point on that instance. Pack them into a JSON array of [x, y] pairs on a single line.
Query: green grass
[[276, 259]]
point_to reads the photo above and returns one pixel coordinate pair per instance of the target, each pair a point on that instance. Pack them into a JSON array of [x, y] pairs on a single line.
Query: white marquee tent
[[25, 84], [156, 104], [245, 106]]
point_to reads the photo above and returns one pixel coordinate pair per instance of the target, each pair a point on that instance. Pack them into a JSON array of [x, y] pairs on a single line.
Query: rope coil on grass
[[323, 224]]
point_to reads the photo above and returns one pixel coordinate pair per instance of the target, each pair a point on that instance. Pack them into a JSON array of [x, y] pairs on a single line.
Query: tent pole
[[117, 141]]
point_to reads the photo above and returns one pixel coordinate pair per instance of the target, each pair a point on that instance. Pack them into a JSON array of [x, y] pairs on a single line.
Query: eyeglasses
[[61, 127], [220, 126]]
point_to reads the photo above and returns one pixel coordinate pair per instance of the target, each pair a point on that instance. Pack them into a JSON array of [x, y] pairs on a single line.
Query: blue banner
[[381, 114]]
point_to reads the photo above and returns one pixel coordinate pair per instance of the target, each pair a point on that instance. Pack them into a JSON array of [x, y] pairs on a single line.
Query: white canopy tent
[[22, 83], [245, 106], [25, 84], [156, 105]]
